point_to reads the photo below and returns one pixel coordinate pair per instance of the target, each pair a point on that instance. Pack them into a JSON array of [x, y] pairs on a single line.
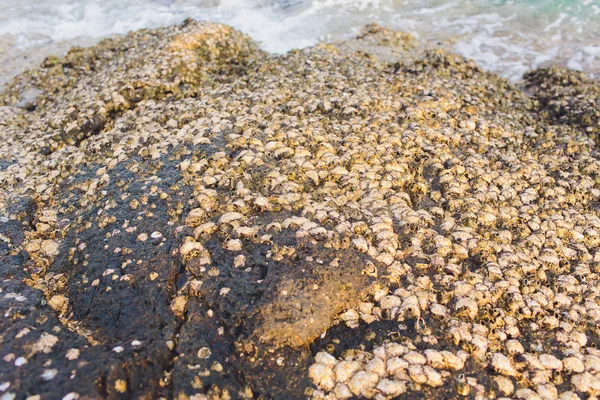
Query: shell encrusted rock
[[185, 216]]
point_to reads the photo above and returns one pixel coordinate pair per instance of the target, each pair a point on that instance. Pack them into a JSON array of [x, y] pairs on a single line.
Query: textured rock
[[185, 216]]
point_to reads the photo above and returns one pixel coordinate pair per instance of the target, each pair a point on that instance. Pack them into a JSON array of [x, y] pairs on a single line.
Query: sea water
[[505, 36]]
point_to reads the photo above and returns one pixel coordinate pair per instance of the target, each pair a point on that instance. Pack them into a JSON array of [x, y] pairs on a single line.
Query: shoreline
[[501, 37]]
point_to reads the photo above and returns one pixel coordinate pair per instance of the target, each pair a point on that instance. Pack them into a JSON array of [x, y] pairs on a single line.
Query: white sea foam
[[509, 37]]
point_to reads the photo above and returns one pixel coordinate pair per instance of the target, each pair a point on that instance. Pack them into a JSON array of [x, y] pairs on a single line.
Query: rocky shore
[[184, 216]]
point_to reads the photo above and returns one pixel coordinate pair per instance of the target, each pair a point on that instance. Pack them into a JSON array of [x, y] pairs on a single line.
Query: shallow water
[[508, 37]]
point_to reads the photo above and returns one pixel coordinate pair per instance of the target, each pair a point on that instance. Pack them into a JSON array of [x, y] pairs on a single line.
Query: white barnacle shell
[[205, 229], [190, 246], [233, 245], [551, 362], [434, 378], [246, 231], [230, 217], [376, 365], [417, 374], [502, 365], [414, 357], [452, 361], [435, 359], [326, 358], [468, 306], [390, 301], [395, 364], [439, 310], [195, 217], [239, 261], [411, 303], [514, 347], [361, 244], [345, 369], [322, 375], [362, 382], [391, 388]]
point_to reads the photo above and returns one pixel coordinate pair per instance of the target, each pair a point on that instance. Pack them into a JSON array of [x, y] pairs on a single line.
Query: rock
[[557, 89], [185, 216]]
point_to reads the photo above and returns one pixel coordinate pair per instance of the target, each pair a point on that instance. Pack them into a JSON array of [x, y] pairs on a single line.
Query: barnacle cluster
[[236, 217]]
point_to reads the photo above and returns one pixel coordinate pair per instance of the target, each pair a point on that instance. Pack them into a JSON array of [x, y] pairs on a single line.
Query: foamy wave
[[508, 37]]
